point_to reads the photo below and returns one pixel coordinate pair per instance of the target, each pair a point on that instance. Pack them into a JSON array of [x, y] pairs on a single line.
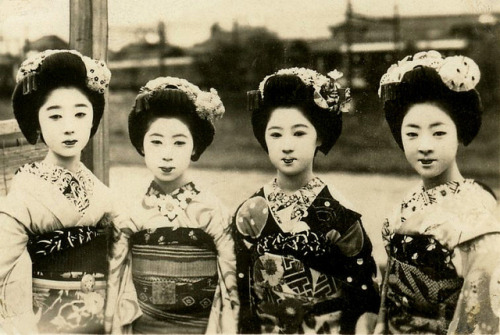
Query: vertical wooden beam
[[89, 35]]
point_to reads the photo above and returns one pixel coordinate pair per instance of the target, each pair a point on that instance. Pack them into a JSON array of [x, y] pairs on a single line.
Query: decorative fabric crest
[[208, 104], [459, 73], [327, 90], [98, 74]]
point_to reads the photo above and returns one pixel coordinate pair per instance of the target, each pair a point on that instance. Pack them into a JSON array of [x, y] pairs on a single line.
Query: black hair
[[424, 85], [62, 69], [290, 91], [168, 102]]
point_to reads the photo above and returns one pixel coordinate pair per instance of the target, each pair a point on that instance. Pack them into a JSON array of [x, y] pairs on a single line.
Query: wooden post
[[89, 35]]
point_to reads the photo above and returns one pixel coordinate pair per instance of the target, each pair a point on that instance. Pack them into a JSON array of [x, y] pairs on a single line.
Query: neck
[[69, 163], [170, 186], [451, 174], [291, 183]]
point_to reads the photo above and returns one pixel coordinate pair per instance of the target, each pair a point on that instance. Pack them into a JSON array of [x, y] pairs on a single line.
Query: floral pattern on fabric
[[434, 289], [300, 200], [169, 205], [76, 187], [302, 269]]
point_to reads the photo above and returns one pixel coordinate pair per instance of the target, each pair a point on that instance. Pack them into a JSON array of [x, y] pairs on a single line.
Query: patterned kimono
[[429, 288], [181, 262], [304, 262], [53, 250]]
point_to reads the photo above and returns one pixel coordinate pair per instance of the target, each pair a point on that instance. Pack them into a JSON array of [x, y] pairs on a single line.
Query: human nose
[[167, 154], [69, 127], [425, 145], [287, 145]]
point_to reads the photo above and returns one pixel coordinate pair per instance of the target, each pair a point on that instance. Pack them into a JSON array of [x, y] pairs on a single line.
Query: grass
[[365, 146]]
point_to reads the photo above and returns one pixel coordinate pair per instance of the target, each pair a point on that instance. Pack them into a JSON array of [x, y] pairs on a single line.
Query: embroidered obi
[[174, 272], [69, 279]]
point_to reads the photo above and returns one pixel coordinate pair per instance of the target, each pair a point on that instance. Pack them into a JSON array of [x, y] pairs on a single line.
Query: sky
[[188, 21]]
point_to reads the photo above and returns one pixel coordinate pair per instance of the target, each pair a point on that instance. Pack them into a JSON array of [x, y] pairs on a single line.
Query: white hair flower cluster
[[459, 73], [98, 74], [208, 104], [326, 88]]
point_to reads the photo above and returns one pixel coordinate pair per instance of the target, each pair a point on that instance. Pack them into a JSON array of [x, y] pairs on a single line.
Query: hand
[[366, 323]]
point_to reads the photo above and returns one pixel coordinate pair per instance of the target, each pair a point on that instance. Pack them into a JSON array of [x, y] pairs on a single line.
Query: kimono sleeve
[[225, 307], [478, 306], [16, 307]]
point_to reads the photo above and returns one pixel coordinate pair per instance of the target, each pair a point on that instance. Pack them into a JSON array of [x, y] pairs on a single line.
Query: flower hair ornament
[[98, 74], [458, 73], [327, 90], [208, 104]]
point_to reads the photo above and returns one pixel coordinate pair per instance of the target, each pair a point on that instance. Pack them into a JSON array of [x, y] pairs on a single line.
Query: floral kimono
[[304, 262], [429, 288], [182, 264], [53, 250]]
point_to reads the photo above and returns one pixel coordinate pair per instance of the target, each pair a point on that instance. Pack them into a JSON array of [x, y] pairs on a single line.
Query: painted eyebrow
[[437, 124], [411, 125], [53, 107], [155, 134], [180, 135], [300, 125], [274, 128], [81, 105]]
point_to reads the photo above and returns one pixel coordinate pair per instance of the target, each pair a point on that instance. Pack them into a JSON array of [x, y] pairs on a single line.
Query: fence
[[15, 151]]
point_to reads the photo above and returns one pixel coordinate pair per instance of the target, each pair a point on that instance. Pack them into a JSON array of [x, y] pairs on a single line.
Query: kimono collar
[[300, 199], [170, 204], [77, 186]]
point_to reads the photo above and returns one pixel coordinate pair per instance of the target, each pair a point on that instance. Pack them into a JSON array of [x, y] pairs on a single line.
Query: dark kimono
[[429, 288], [304, 262]]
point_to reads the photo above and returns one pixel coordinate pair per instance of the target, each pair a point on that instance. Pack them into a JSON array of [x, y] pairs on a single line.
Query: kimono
[[53, 250], [304, 262], [180, 259], [429, 288]]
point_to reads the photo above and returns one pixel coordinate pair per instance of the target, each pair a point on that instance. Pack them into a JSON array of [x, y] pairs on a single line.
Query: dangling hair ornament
[[208, 104], [458, 73], [328, 93], [98, 75]]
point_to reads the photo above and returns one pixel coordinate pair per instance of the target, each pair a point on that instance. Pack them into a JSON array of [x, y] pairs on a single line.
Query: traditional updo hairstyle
[[174, 103], [288, 90], [56, 70], [424, 84]]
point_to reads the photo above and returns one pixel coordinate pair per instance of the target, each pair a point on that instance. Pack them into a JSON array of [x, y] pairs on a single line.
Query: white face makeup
[[168, 147], [430, 142], [66, 122], [291, 141]]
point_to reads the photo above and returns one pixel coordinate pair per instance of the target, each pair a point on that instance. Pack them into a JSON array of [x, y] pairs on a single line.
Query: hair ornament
[[327, 90], [98, 74], [208, 104], [459, 73]]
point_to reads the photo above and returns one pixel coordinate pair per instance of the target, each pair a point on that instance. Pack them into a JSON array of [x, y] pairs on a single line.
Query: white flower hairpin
[[326, 88], [208, 104], [459, 73], [98, 74]]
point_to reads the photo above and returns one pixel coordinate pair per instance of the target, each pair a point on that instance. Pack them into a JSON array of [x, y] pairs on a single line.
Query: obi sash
[[421, 299], [69, 271], [175, 273]]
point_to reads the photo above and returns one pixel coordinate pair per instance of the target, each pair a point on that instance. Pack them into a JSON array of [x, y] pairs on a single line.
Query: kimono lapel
[[65, 195]]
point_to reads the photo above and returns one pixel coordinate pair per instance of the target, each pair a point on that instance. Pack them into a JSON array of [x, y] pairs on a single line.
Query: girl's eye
[[157, 142], [55, 117], [299, 133], [411, 134], [276, 135], [80, 115], [439, 133], [179, 143]]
